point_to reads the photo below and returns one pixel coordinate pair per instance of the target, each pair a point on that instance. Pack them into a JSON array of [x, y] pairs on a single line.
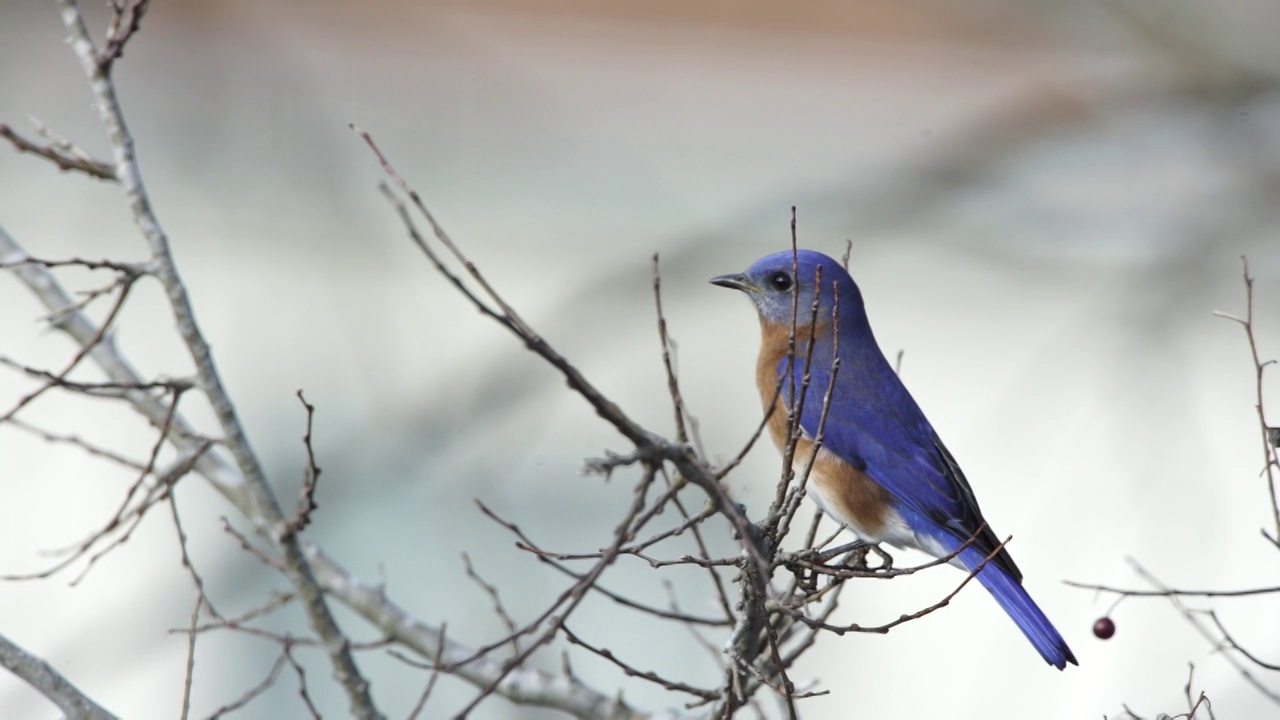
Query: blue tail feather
[[1011, 596]]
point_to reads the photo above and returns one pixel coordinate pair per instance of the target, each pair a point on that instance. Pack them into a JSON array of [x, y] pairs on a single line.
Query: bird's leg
[[886, 560], [826, 555]]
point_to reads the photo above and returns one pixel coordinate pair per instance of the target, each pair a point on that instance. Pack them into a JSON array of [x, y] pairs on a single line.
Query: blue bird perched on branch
[[881, 470]]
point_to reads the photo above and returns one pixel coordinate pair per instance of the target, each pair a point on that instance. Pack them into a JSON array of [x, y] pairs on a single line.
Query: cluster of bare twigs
[[770, 625], [1205, 620], [772, 602]]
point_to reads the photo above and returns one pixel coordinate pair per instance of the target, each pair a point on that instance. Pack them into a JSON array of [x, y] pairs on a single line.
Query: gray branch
[[233, 469], [51, 683], [255, 496], [524, 685]]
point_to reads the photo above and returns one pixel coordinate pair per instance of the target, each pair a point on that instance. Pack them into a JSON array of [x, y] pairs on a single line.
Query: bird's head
[[772, 281]]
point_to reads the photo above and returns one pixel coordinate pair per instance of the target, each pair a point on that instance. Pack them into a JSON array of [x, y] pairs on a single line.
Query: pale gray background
[[1046, 203]]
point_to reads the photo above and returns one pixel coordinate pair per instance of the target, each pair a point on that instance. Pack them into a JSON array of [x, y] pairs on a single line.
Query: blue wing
[[876, 425]]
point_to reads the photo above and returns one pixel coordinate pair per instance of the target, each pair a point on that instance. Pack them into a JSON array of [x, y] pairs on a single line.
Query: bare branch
[[302, 681], [77, 441], [126, 20], [1191, 616], [1129, 592], [263, 508], [54, 380], [886, 627], [631, 671], [189, 674], [252, 693], [311, 473], [65, 158], [683, 457], [1269, 457], [673, 383], [40, 675], [571, 598], [496, 599], [526, 686]]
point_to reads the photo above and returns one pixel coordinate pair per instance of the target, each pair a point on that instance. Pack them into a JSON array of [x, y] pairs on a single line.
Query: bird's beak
[[737, 281]]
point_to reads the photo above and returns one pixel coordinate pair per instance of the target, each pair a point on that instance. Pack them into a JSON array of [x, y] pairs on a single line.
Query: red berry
[[1104, 628]]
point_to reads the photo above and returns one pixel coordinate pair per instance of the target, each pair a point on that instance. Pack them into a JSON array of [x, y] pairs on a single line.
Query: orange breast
[[847, 493]]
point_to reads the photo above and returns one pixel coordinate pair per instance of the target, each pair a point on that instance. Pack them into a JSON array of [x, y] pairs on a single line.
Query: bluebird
[[881, 471]]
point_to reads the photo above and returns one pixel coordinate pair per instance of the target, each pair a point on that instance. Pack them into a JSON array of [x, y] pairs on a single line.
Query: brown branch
[[633, 604], [249, 547], [1191, 617], [76, 441], [95, 389], [673, 385], [311, 474], [1269, 458], [692, 522], [524, 686], [793, 501], [569, 599], [1229, 640], [882, 629], [240, 622], [126, 20], [189, 669], [496, 599], [751, 441], [683, 457], [431, 680], [81, 352], [1129, 592], [631, 671], [572, 597], [252, 693], [302, 681], [795, 405], [129, 515], [64, 158], [123, 268]]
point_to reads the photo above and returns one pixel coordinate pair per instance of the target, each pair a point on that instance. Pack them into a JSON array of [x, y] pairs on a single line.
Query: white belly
[[895, 532]]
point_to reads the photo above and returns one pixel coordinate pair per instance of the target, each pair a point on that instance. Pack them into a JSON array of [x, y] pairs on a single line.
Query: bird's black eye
[[780, 281]]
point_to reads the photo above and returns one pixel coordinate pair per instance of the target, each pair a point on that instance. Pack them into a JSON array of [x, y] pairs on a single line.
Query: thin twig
[[686, 461], [886, 627], [302, 681], [1130, 592], [496, 599], [673, 384], [1269, 460], [189, 672], [66, 161], [310, 475], [572, 597], [1191, 617], [252, 693], [126, 20], [431, 680], [61, 377], [631, 671]]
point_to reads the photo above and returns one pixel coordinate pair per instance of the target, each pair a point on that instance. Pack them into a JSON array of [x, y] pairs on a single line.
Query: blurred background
[[1046, 201]]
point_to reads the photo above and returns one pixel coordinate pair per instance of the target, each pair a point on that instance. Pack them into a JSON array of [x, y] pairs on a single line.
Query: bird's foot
[[886, 560], [823, 556]]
